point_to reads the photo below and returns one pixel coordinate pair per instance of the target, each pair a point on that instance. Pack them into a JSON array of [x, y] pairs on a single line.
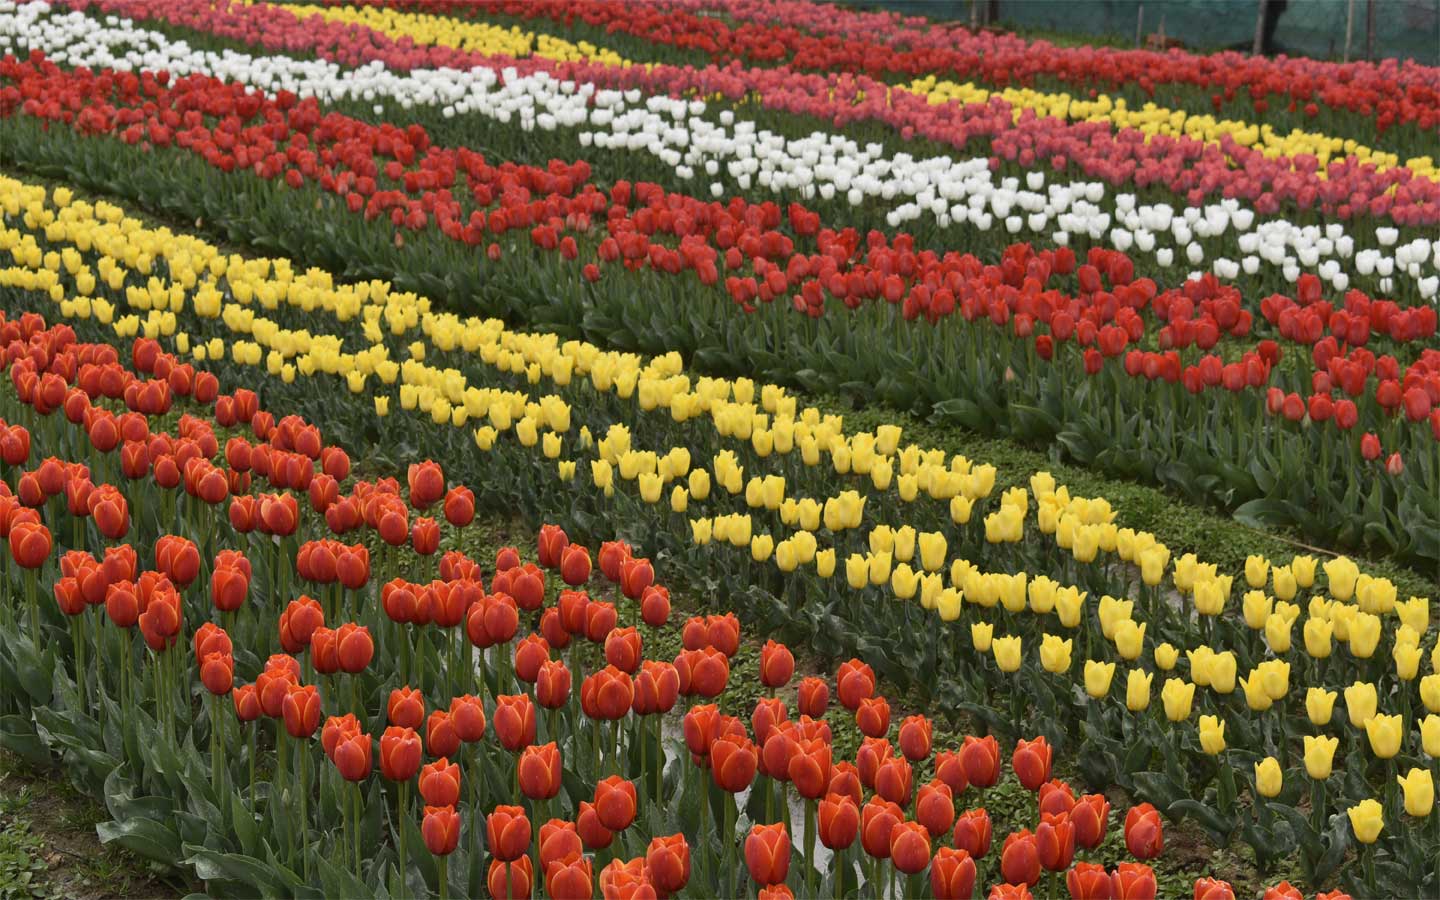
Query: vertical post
[[1259, 44], [1369, 29], [1139, 24], [1349, 26]]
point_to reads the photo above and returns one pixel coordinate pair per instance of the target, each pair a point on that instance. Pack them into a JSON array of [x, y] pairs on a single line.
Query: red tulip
[[972, 832], [1055, 839], [538, 771], [228, 588], [508, 831], [558, 839], [530, 654], [406, 707], [440, 783], [733, 762], [569, 879], [551, 544], [767, 853], [950, 769], [427, 483], [575, 565], [855, 681], [893, 780], [1144, 833], [655, 606], [425, 536], [1090, 816], [510, 880], [708, 670], [915, 734], [1133, 881], [952, 874], [814, 697], [668, 861], [615, 803], [1283, 891], [1020, 859], [877, 819], [467, 714], [1056, 797], [657, 687], [514, 721], [809, 768], [723, 633], [1213, 889], [302, 710], [775, 892], [247, 703], [217, 673], [30, 544], [613, 555], [1088, 881], [593, 834], [399, 753], [777, 665], [324, 650], [910, 847], [552, 684], [354, 647], [440, 829], [441, 737], [460, 506], [1031, 762], [981, 759], [623, 649], [839, 821], [352, 757], [636, 575], [607, 694], [298, 623], [935, 808], [626, 880]]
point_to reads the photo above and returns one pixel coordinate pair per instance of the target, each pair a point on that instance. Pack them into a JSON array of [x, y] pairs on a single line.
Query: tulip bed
[[597, 352]]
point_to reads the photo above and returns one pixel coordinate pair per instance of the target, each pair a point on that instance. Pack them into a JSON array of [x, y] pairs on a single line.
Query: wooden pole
[[1349, 25], [1139, 24], [1259, 28], [1369, 29]]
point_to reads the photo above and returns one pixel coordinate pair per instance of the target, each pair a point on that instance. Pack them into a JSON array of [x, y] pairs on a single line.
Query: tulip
[[668, 861], [1055, 840], [1090, 816], [1386, 734], [558, 839], [972, 832], [615, 803], [1419, 788], [733, 762], [952, 874], [767, 853], [440, 783], [510, 880], [981, 760], [400, 753], [1319, 703], [1319, 754], [877, 819], [950, 769], [873, 716], [1089, 881], [538, 771], [1144, 835], [1212, 735], [777, 665], [1133, 881], [1007, 653], [1283, 891], [1020, 859], [623, 649], [809, 768], [935, 808], [1268, 777], [909, 847], [814, 697], [569, 878], [893, 780], [1056, 797], [507, 830], [514, 721], [351, 756], [302, 710], [1366, 820], [855, 681], [1097, 678], [1055, 653], [575, 565], [626, 880], [839, 821], [441, 830], [593, 835], [1031, 761]]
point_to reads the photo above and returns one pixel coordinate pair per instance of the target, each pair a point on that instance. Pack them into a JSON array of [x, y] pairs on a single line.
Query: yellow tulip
[[1282, 580], [1320, 755], [1385, 733], [1166, 655], [1319, 705], [701, 531], [947, 604], [1268, 777], [1256, 606], [1407, 661], [1137, 690], [903, 548], [1367, 819], [1377, 595], [699, 484], [981, 635], [787, 559], [1430, 692], [1317, 637], [904, 582], [1257, 571], [932, 551], [1419, 789], [1153, 561], [880, 565], [679, 499], [1070, 605], [1364, 635], [1012, 590], [382, 406], [1042, 594], [1415, 612], [1275, 675], [825, 562], [1277, 632], [1178, 696], [857, 571], [1112, 613], [1303, 568], [1222, 671], [1212, 735], [565, 468], [1360, 703], [761, 547], [1097, 678], [1200, 664], [1340, 576], [1129, 639], [1055, 653], [1255, 696], [1430, 735], [1007, 653]]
